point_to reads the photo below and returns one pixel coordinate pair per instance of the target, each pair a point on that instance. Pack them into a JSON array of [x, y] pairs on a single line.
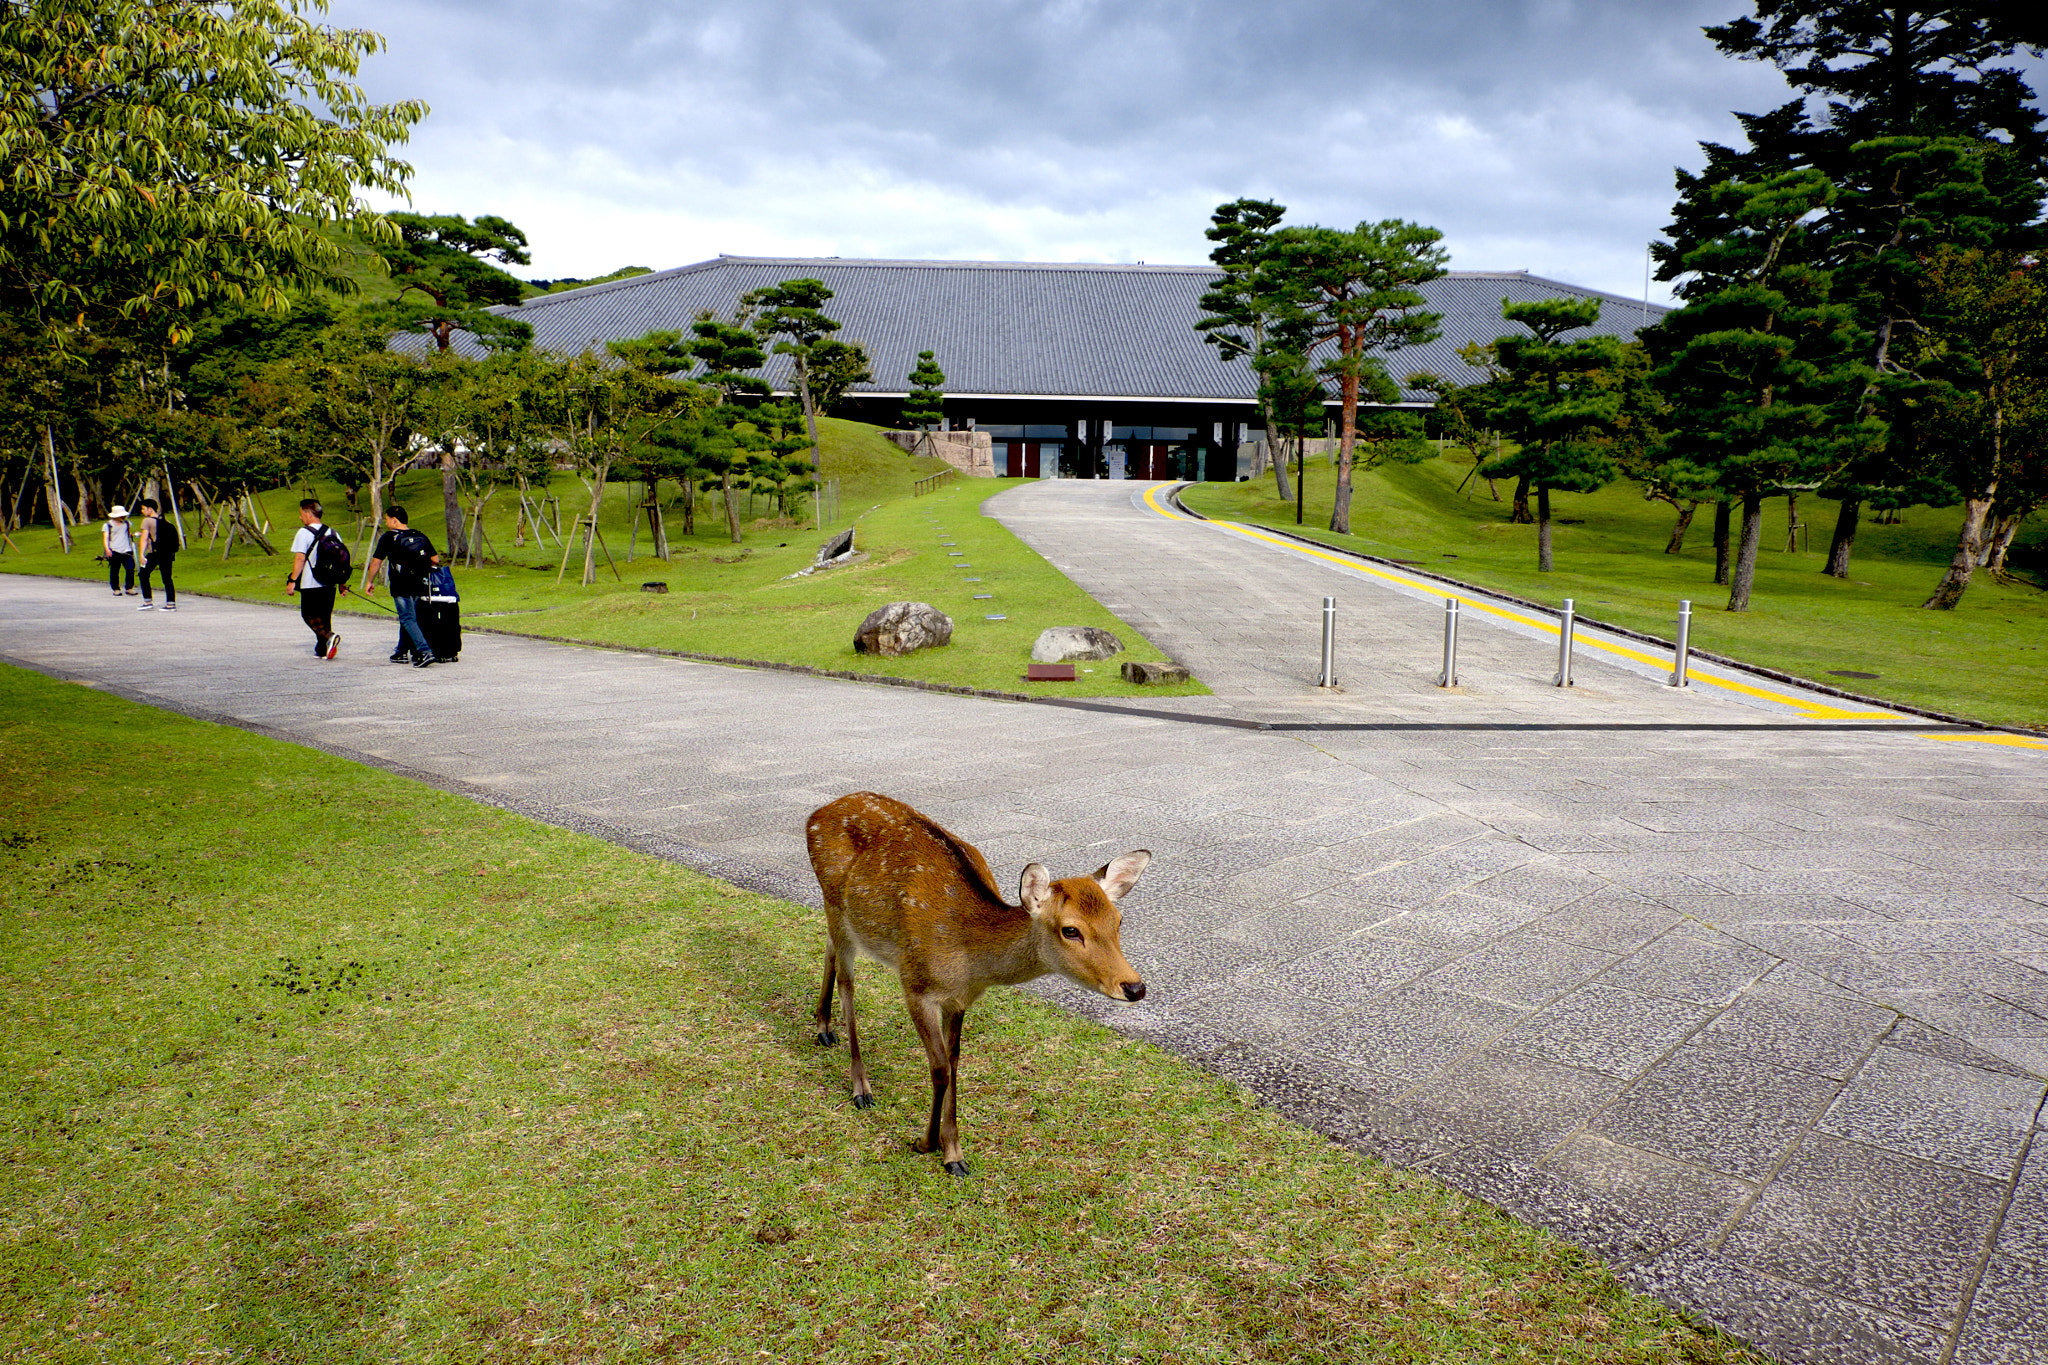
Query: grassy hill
[[1988, 659]]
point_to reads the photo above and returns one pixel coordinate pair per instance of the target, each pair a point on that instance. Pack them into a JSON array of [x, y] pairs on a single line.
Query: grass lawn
[[736, 601], [307, 1062], [1988, 659]]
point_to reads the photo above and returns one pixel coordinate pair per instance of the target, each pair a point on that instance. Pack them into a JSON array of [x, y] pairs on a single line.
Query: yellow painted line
[[1814, 709], [2016, 741]]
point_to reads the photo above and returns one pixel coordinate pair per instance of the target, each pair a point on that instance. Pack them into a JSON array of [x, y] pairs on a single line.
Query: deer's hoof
[[957, 1169], [863, 1101], [826, 1037]]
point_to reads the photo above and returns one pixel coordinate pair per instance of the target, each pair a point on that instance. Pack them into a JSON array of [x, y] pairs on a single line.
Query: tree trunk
[[451, 506], [1745, 559], [1347, 441], [689, 507], [376, 502], [590, 540], [1677, 541], [1950, 590], [53, 493], [732, 510], [1721, 518], [1281, 484], [1520, 516], [2001, 540], [1844, 538], [1791, 523], [1543, 528]]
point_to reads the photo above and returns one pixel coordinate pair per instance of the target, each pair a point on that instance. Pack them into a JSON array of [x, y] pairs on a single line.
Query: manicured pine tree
[[1352, 297], [727, 352], [1558, 400], [1763, 371], [792, 311], [925, 405], [1240, 315], [1909, 90]]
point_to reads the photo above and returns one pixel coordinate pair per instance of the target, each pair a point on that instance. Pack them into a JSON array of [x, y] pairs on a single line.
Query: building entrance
[[1022, 460]]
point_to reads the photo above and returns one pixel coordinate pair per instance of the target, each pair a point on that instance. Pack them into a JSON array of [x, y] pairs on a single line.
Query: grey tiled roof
[[1023, 329]]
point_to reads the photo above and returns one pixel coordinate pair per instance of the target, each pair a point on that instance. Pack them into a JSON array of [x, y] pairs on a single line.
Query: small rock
[[1062, 643], [1152, 674], [902, 628], [654, 587]]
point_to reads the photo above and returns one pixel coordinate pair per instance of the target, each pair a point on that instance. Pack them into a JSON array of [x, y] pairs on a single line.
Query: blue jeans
[[409, 636]]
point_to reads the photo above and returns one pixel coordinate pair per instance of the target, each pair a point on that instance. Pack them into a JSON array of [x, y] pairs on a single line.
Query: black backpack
[[166, 542], [330, 567], [413, 554]]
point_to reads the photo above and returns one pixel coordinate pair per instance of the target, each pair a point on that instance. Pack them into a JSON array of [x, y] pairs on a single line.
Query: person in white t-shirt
[[117, 543], [316, 600]]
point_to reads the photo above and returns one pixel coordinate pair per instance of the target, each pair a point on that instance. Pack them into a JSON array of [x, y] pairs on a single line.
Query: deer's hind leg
[[826, 1037], [863, 1098]]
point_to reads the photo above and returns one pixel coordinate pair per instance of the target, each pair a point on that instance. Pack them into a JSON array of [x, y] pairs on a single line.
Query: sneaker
[[170, 606], [132, 592], [147, 606], [117, 592], [423, 661], [333, 644], [403, 656]]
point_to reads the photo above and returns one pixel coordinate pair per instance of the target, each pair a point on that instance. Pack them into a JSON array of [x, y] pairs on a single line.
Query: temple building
[[1074, 371]]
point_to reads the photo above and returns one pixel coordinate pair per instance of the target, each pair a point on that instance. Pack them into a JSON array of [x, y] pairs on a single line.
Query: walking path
[[1759, 1017]]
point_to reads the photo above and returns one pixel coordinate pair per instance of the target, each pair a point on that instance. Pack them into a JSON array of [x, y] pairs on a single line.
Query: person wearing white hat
[[117, 547]]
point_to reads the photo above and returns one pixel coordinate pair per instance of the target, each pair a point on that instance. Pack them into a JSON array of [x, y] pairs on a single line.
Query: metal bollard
[[1564, 647], [1449, 677], [1328, 677], [1683, 658]]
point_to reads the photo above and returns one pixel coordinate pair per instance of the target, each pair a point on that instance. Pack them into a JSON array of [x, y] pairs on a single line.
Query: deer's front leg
[[932, 1030], [949, 1126]]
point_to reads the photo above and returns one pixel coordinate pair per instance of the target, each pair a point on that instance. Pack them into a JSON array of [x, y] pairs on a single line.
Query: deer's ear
[[1117, 877], [1035, 888]]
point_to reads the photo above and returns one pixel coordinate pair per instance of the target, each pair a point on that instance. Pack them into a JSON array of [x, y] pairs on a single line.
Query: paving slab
[[1694, 998]]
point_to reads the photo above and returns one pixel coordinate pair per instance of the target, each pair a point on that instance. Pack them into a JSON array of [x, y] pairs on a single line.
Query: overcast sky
[[1537, 134]]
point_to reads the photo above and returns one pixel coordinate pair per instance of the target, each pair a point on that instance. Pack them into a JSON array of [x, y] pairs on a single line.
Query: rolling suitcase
[[440, 613]]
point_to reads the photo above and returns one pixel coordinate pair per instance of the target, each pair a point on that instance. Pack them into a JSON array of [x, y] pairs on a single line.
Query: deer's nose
[[1134, 990]]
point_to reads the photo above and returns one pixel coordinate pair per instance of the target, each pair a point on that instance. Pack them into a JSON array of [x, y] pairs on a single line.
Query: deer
[[901, 890]]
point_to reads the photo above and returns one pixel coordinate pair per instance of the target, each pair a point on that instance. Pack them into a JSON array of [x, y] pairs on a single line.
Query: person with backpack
[[158, 545], [406, 556], [320, 564]]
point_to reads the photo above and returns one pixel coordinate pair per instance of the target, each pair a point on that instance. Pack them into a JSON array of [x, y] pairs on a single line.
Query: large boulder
[[1063, 643], [902, 628]]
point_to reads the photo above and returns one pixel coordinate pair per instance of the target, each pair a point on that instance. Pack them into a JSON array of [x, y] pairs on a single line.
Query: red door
[[1020, 459], [1031, 459]]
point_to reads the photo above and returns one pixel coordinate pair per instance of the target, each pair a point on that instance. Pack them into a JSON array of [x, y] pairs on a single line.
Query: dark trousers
[[316, 609], [118, 560], [410, 638], [159, 564]]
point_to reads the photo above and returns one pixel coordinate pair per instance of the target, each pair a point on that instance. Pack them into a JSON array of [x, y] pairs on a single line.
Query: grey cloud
[[1549, 127]]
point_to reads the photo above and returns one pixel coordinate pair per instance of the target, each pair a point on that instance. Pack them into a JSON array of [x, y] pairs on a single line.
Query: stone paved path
[[1760, 1017]]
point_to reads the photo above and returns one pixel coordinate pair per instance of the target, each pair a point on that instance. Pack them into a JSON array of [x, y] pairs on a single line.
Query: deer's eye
[[1071, 932]]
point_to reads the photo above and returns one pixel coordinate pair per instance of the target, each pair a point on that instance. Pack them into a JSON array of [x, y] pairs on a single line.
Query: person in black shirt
[[405, 556]]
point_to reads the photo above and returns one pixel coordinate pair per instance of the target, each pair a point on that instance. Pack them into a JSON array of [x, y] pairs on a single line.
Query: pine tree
[[1763, 369], [925, 406], [1556, 399]]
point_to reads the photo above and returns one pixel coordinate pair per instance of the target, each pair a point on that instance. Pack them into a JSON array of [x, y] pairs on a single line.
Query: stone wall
[[970, 452]]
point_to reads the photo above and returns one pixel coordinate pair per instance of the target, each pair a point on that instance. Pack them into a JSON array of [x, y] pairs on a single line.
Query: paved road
[[1760, 1017]]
